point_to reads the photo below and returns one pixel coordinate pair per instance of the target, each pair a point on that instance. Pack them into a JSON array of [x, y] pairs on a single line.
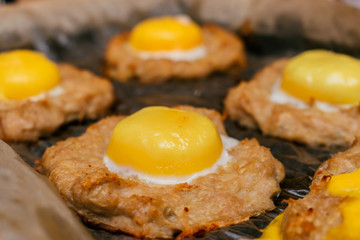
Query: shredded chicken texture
[[240, 189], [310, 218], [84, 95], [249, 104], [224, 51]]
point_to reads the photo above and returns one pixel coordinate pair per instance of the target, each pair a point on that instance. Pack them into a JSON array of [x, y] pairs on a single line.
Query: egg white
[[54, 92], [173, 55], [130, 173], [184, 19], [281, 97]]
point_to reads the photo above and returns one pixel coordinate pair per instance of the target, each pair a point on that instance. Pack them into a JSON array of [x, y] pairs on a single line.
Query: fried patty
[[312, 217], [84, 96], [249, 104], [224, 51], [238, 190]]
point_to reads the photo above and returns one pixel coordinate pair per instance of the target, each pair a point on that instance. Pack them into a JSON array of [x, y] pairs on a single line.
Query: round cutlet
[[240, 189], [224, 51], [249, 104], [84, 95]]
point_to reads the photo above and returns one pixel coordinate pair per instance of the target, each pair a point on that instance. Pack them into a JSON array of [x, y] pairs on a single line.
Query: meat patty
[[84, 96], [249, 104], [240, 189], [224, 51], [312, 217]]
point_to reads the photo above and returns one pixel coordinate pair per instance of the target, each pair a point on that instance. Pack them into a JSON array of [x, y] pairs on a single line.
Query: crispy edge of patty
[[85, 96], [224, 51], [240, 189], [312, 216], [249, 104]]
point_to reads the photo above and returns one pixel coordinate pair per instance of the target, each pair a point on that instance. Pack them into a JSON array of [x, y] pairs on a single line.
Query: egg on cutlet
[[331, 208], [165, 47], [38, 95], [311, 98], [163, 173]]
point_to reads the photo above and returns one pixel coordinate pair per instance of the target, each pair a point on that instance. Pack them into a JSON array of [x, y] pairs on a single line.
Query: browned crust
[[249, 104], [313, 216], [224, 49], [240, 189], [85, 96]]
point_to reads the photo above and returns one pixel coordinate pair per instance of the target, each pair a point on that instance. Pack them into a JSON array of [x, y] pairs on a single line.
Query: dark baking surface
[[86, 50]]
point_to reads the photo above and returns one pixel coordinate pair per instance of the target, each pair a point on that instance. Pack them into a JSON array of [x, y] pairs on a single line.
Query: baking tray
[[86, 49], [300, 161]]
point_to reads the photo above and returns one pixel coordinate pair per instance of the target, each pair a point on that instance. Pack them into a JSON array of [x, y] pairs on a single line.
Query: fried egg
[[167, 146], [26, 74], [329, 81], [345, 185], [174, 38]]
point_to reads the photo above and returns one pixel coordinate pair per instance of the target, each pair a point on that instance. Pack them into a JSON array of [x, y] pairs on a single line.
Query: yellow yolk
[[324, 76], [349, 229], [347, 186], [166, 33], [25, 73], [165, 141], [343, 185], [273, 230]]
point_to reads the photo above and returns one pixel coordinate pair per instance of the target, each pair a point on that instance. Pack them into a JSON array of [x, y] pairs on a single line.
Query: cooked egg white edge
[[130, 173], [183, 19], [281, 97], [173, 55], [54, 92]]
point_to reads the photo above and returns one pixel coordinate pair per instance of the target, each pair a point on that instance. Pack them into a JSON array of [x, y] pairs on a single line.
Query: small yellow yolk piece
[[273, 230], [347, 184], [25, 73], [349, 229], [165, 141], [165, 34], [324, 76]]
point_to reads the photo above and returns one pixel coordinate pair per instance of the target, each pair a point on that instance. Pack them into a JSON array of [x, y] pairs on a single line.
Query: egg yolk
[[165, 141], [343, 185], [346, 185], [324, 76], [349, 229], [166, 33], [25, 73], [273, 230]]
